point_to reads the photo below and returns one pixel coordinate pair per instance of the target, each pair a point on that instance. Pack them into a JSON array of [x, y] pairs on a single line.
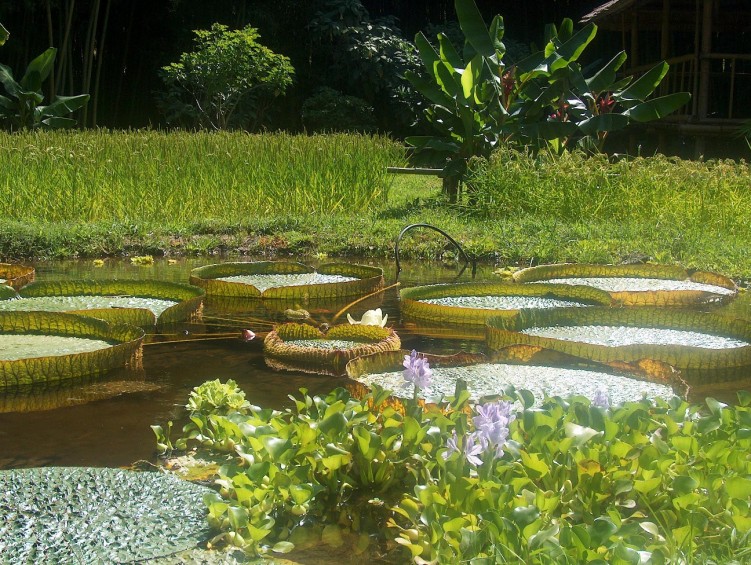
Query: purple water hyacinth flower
[[473, 448], [492, 425], [417, 370], [601, 399], [452, 445]]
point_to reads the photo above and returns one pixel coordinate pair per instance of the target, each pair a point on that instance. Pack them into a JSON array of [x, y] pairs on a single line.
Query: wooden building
[[708, 46]]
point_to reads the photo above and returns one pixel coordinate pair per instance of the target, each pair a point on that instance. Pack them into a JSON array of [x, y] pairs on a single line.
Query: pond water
[[115, 431]]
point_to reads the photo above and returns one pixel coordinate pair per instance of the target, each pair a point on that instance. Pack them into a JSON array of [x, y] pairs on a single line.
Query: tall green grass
[[654, 193], [96, 176]]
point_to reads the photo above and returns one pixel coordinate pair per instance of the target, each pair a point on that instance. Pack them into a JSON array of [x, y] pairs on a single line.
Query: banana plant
[[4, 35], [23, 108], [476, 102], [465, 94]]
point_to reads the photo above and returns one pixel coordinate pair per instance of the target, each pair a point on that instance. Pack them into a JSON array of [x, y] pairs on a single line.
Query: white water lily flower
[[370, 318]]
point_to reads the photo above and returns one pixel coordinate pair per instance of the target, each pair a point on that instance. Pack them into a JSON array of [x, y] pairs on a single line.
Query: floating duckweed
[[615, 336], [638, 284], [328, 344], [23, 346], [490, 379], [264, 282], [68, 303], [502, 302]]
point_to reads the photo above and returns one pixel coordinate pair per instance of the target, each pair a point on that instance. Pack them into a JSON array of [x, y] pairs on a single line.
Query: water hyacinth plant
[[570, 481]]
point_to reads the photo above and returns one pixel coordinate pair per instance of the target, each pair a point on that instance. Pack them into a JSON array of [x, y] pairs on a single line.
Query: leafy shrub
[[572, 481], [229, 81], [330, 110]]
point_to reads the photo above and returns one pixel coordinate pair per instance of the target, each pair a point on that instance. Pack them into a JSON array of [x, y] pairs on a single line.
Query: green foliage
[[23, 109], [229, 81], [544, 101], [330, 110], [366, 58], [576, 482], [217, 397]]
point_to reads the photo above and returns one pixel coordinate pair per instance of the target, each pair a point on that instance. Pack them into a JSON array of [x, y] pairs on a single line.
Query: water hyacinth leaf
[[581, 434], [525, 515], [684, 484], [739, 487], [601, 530]]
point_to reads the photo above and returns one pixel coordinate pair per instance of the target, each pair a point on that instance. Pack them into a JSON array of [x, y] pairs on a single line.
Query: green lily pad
[[92, 515], [486, 379], [638, 285], [108, 346], [141, 303], [704, 347], [471, 304], [287, 280], [301, 347]]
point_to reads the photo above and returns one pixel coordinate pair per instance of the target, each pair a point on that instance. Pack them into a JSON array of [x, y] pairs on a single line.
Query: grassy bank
[[95, 194]]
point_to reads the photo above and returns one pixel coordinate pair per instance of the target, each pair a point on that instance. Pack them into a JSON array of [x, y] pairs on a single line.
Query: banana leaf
[[124, 350], [16, 276], [301, 347], [98, 515], [726, 289], [413, 306], [368, 280], [696, 364]]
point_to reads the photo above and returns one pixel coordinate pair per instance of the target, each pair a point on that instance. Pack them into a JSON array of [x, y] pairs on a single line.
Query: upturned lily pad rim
[[412, 298], [692, 361], [16, 276], [280, 353], [126, 348], [189, 298], [368, 279], [639, 270]]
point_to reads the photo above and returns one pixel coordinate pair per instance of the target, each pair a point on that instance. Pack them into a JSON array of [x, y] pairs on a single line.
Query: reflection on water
[[114, 430]]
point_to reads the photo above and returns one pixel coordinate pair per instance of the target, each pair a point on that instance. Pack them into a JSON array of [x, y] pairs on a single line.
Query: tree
[[229, 81]]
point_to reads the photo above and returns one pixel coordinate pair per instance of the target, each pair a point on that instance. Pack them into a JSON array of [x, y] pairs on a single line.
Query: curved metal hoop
[[466, 258]]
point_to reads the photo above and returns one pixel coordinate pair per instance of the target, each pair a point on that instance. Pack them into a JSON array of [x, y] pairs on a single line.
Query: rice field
[[179, 177]]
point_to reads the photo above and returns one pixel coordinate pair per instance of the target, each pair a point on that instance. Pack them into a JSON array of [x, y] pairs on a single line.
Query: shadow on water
[[109, 426]]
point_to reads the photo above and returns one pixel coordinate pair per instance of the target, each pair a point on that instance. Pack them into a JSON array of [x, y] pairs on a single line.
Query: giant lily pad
[[473, 303], [37, 348], [301, 347], [91, 515], [638, 285], [622, 382], [140, 303], [702, 346], [15, 276], [287, 280]]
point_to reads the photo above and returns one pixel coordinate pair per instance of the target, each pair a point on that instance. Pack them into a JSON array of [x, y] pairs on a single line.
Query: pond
[[115, 431]]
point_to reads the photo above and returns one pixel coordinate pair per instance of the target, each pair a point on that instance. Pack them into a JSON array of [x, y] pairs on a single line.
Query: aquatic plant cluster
[[568, 481]]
